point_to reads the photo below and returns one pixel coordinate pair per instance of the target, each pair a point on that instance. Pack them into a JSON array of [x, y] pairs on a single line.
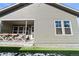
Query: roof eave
[[73, 12], [21, 5], [14, 8]]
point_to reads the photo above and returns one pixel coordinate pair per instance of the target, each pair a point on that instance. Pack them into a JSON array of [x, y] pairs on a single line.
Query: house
[[41, 25]]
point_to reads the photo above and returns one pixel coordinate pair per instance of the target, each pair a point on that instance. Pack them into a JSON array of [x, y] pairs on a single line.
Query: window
[[67, 27], [58, 27], [18, 29], [15, 29], [63, 27], [21, 29]]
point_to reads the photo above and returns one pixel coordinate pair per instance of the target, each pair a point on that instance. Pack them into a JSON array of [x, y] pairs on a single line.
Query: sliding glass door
[[21, 29], [18, 29]]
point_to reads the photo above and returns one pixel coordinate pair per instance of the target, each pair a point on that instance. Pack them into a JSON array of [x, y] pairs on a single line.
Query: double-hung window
[[58, 27], [67, 27], [63, 27]]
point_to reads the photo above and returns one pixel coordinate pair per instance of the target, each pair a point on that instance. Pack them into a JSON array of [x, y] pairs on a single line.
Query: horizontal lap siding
[[44, 31]]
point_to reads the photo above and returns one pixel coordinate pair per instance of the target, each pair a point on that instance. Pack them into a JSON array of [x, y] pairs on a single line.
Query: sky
[[71, 5], [4, 5]]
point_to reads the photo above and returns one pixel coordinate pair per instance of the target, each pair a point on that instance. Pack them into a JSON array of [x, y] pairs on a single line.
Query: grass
[[43, 48], [9, 49], [64, 51]]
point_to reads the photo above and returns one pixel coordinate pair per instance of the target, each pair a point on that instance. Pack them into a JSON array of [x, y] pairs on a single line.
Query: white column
[[0, 25], [25, 30], [25, 26]]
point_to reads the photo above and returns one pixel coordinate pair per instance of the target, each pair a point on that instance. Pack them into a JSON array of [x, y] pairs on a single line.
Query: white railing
[[15, 37]]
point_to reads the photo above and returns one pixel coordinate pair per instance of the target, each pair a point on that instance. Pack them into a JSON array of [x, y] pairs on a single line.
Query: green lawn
[[63, 51], [55, 49], [36, 49]]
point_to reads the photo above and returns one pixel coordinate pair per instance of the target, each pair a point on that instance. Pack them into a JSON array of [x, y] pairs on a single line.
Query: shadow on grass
[[9, 49]]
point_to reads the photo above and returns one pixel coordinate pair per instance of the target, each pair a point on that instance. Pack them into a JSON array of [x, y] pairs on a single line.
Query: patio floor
[[28, 43]]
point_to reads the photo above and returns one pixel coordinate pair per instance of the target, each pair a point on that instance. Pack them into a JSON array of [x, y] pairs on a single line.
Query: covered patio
[[16, 30]]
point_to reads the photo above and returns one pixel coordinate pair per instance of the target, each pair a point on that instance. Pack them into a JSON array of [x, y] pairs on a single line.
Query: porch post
[[0, 25], [25, 26], [25, 30]]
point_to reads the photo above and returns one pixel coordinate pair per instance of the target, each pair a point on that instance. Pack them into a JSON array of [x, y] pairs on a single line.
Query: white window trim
[[18, 29], [55, 28], [69, 27], [62, 26]]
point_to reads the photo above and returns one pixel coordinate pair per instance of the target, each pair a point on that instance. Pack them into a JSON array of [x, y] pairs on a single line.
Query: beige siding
[[44, 16]]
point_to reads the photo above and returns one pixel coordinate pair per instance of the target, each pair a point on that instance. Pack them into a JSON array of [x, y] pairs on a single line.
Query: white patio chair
[[31, 37], [27, 38]]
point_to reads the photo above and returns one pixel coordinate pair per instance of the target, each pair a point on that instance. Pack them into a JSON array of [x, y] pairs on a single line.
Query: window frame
[[63, 28], [18, 29], [57, 27], [68, 27]]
